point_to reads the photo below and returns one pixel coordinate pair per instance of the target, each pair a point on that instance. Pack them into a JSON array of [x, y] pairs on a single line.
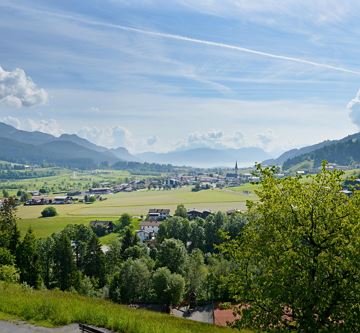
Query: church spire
[[236, 168]]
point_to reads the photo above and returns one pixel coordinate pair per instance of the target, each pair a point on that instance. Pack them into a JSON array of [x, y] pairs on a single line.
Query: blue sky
[[160, 75]]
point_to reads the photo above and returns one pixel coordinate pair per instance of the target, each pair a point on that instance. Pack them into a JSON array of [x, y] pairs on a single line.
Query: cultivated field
[[135, 203]]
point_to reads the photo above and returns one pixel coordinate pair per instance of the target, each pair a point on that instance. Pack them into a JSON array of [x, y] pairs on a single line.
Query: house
[[156, 214], [194, 213], [60, 200], [38, 200], [148, 230], [34, 193], [100, 190]]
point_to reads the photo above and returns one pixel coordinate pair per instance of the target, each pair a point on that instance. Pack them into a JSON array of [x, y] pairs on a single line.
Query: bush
[[49, 212]]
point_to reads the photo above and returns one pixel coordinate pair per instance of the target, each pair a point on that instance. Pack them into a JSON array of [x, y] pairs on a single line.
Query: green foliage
[[64, 266], [132, 283], [5, 193], [169, 288], [6, 258], [297, 258], [9, 273], [94, 262], [27, 260], [181, 211], [49, 212], [125, 221], [9, 234], [195, 277], [172, 254]]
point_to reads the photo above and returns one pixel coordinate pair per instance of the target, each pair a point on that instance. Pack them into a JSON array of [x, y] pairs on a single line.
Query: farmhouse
[[100, 190], [60, 200], [194, 213], [148, 230], [38, 200], [156, 214]]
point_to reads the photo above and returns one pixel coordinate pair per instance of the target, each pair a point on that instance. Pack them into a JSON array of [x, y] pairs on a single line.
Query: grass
[[135, 203], [56, 308]]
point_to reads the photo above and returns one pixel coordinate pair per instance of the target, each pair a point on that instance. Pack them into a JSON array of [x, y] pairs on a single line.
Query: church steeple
[[236, 168]]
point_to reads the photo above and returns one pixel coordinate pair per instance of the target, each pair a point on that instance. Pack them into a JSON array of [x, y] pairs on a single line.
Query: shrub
[[49, 212]]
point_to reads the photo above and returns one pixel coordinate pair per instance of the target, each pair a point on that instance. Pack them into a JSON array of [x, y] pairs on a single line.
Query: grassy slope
[[135, 203], [55, 308]]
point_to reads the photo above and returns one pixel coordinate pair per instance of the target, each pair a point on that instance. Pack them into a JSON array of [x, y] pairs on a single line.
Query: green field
[[55, 308], [135, 203], [66, 180]]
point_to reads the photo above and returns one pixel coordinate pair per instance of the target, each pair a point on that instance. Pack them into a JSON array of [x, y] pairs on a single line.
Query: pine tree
[[94, 261], [27, 260], [64, 266]]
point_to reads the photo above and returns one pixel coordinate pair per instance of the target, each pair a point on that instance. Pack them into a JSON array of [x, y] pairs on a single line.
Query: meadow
[[56, 308], [135, 203]]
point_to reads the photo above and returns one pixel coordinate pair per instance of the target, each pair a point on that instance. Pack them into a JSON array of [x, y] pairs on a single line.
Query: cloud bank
[[110, 137], [354, 107], [18, 90]]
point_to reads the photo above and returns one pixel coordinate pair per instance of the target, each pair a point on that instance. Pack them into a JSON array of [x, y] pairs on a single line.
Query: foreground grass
[[56, 308]]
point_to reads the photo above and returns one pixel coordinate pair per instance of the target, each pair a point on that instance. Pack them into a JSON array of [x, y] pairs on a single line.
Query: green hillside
[[56, 308], [343, 152]]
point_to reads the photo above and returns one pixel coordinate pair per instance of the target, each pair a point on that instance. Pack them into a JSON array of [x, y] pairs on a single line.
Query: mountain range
[[70, 150], [207, 157], [345, 151]]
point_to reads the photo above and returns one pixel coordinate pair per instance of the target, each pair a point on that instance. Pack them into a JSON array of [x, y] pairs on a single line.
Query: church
[[235, 175]]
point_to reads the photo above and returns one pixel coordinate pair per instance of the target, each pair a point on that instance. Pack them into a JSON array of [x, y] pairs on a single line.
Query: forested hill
[[343, 152]]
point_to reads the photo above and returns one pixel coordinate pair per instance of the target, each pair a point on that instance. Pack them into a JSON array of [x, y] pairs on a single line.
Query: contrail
[[199, 41]]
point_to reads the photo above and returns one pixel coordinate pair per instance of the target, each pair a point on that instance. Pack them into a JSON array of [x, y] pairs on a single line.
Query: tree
[[125, 221], [169, 288], [64, 266], [94, 261], [9, 234], [129, 239], [9, 273], [297, 258], [49, 212], [46, 248], [173, 255], [132, 283], [5, 193], [195, 277], [181, 211], [27, 260], [6, 258]]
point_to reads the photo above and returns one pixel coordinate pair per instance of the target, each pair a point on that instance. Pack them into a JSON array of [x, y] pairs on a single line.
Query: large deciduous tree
[[298, 256]]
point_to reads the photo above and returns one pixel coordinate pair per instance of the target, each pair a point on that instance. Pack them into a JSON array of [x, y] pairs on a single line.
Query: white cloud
[[111, 137], [12, 121], [212, 139], [266, 138], [17, 89], [50, 126], [354, 107], [151, 140]]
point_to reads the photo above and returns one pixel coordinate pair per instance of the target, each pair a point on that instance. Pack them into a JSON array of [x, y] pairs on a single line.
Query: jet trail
[[195, 41]]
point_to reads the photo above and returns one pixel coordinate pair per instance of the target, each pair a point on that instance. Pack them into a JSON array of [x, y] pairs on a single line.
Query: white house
[[148, 230]]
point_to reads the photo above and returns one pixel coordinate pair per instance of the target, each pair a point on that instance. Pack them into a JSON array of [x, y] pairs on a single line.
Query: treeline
[[143, 168], [25, 174], [342, 153], [174, 270]]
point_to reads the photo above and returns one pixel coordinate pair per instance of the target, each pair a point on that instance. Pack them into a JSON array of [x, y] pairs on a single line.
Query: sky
[[159, 75]]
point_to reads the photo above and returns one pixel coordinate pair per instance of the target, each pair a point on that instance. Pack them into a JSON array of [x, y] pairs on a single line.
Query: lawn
[[56, 308], [135, 203]]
